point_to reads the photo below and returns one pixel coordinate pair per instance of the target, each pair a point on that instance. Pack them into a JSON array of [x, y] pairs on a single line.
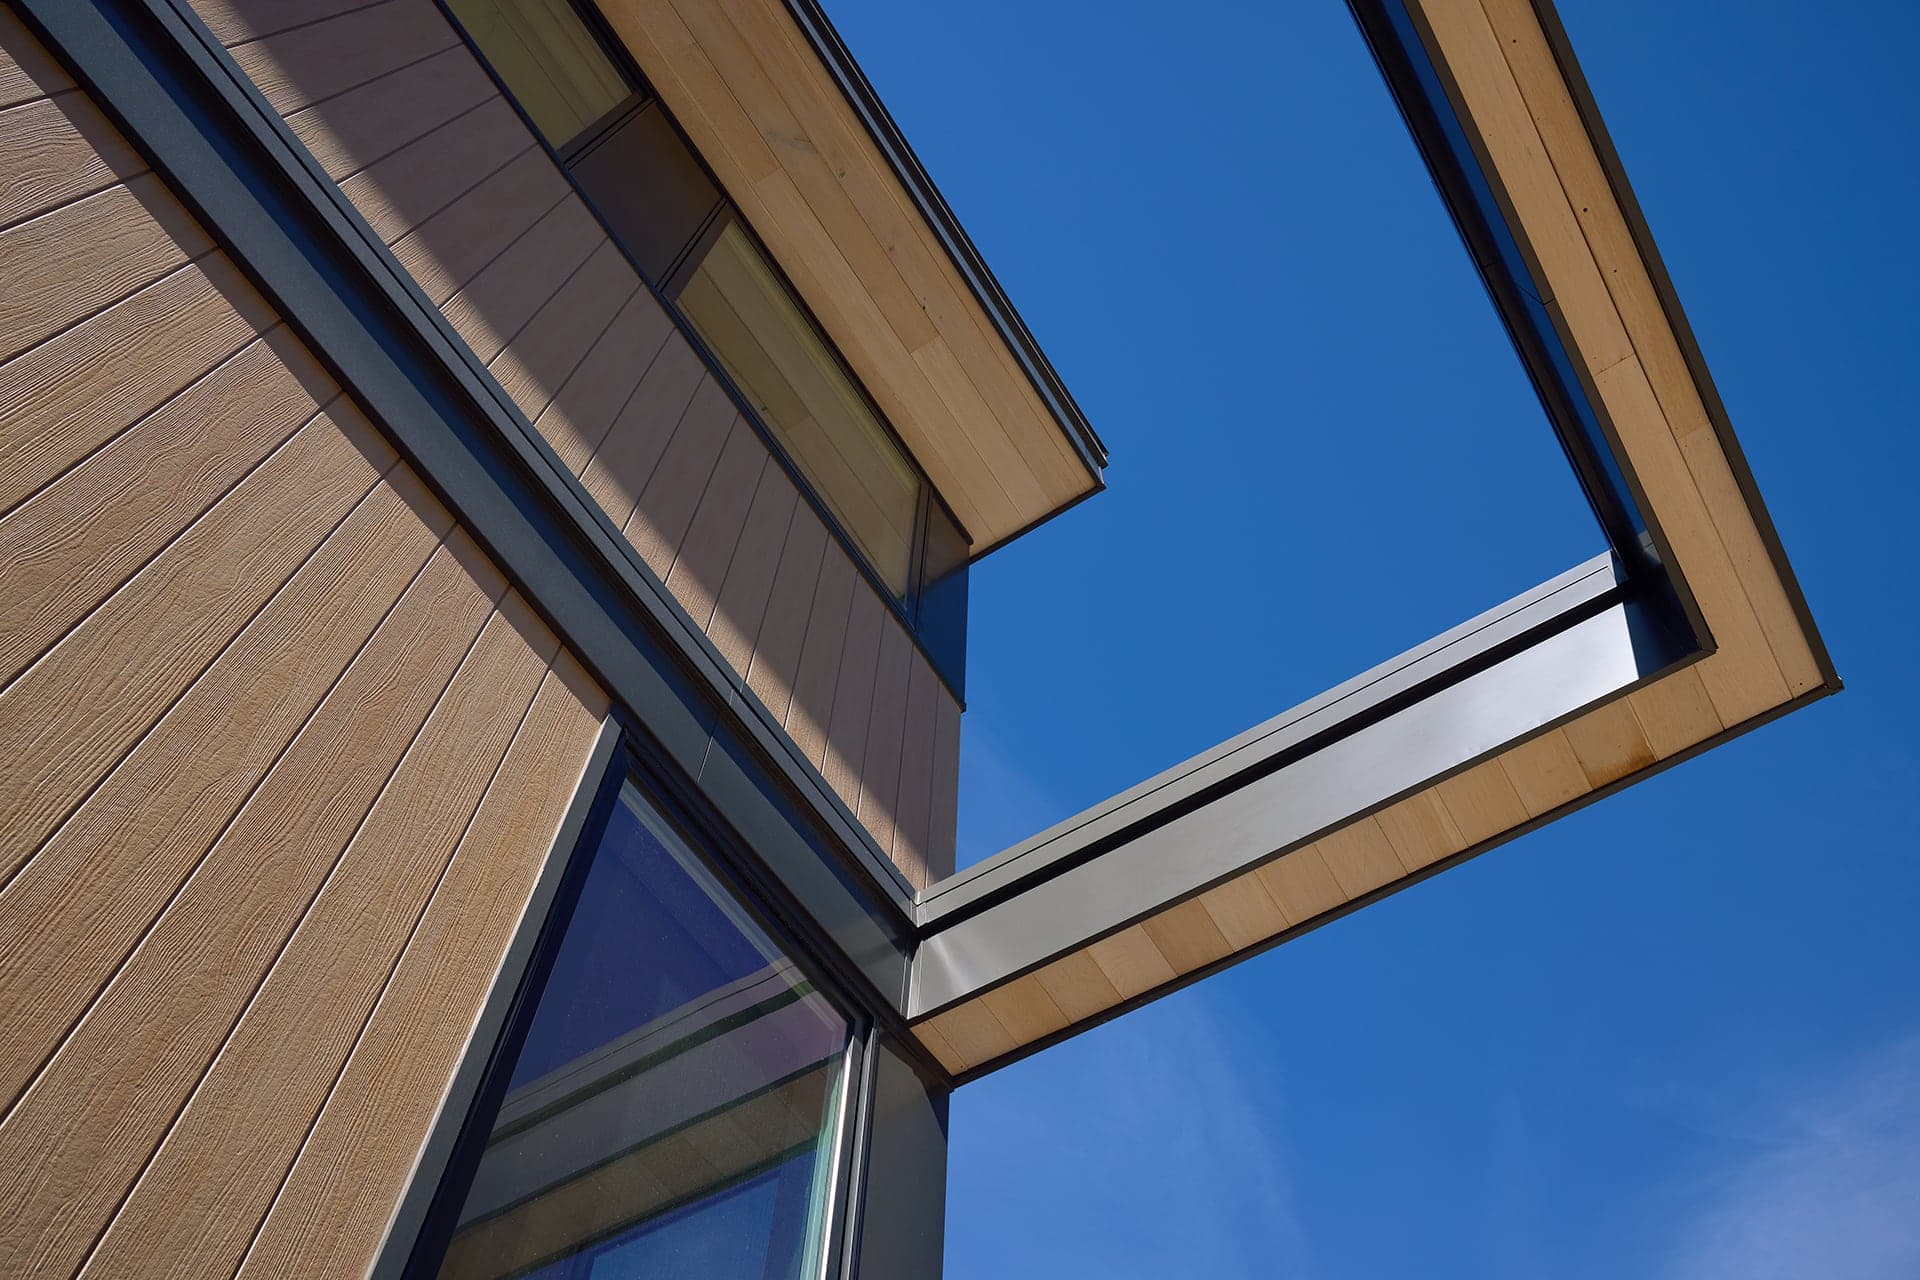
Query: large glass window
[[673, 1108]]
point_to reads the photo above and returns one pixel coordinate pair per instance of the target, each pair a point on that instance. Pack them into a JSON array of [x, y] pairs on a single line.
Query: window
[[626, 157], [672, 1106]]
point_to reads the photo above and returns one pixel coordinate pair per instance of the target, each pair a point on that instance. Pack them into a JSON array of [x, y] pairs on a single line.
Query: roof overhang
[[1691, 630], [776, 106]]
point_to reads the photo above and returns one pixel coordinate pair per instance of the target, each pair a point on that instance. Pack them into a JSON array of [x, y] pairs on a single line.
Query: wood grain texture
[[1545, 773], [256, 1103], [1187, 936], [404, 188], [774, 668], [27, 70], [1300, 884], [76, 541], [65, 265], [366, 124], [1675, 713], [89, 894], [1360, 857], [1130, 961], [1420, 830], [973, 1033], [1025, 1009], [1243, 911], [79, 709], [1608, 743], [309, 63], [68, 396], [59, 149], [588, 403], [1077, 986], [700, 560], [329, 1216], [454, 245], [1482, 802], [96, 1111], [235, 21]]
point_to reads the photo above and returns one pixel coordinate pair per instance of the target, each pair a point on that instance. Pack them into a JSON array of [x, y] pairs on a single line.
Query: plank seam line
[[380, 1000], [560, 384], [257, 36], [638, 296], [113, 179], [342, 92], [451, 201], [319, 411], [8, 1109], [441, 304], [253, 1001], [403, 143]]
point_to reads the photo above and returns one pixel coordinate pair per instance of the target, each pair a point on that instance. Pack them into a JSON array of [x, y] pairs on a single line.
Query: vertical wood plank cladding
[[73, 543], [77, 710], [774, 667], [666, 507], [878, 799], [701, 560], [492, 308], [256, 1103], [97, 1109], [619, 470], [235, 21], [65, 265], [86, 897], [26, 70], [851, 710], [309, 63], [913, 810], [589, 402], [943, 821], [59, 149], [456, 244], [821, 655], [66, 397], [400, 191], [751, 574], [328, 1218], [365, 124], [533, 367]]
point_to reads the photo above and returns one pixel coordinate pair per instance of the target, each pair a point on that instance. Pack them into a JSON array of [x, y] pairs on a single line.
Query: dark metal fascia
[[932, 206], [180, 98]]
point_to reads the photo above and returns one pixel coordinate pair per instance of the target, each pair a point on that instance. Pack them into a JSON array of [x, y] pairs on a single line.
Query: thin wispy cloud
[[1832, 1190]]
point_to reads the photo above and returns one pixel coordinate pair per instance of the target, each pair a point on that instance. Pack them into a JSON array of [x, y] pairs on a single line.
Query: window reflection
[[671, 1110]]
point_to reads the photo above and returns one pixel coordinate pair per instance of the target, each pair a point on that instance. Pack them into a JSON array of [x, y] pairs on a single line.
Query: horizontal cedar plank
[[493, 307], [255, 1105], [1360, 857], [1243, 911], [774, 667], [1078, 988], [585, 408], [71, 545], [1421, 830], [329, 1216], [368, 123], [1301, 885], [973, 1033], [233, 21], [58, 149], [86, 897], [100, 1106], [306, 64], [1187, 936], [68, 396], [1130, 961], [445, 253], [65, 265], [400, 191], [1025, 1009], [79, 709], [545, 353], [27, 70]]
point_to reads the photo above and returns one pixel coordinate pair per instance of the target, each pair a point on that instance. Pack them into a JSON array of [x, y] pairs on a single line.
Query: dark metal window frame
[[945, 654]]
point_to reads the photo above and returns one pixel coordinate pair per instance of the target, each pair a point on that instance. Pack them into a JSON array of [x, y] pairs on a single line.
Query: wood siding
[[1516, 97], [401, 115], [281, 754]]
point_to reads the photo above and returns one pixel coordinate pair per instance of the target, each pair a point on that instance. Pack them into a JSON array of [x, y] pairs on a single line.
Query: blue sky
[[1676, 1035]]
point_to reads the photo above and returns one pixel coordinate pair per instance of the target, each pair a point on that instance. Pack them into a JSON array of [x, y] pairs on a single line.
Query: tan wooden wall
[[401, 115], [280, 753]]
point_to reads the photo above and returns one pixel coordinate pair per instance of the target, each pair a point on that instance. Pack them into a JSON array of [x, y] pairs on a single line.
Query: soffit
[[915, 315]]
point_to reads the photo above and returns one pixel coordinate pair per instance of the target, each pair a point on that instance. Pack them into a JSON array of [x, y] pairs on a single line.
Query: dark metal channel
[[179, 97]]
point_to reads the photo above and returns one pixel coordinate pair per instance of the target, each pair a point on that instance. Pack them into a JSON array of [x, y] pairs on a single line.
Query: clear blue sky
[[1677, 1035]]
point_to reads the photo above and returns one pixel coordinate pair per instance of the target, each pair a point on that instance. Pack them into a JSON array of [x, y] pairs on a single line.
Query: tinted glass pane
[[778, 360], [671, 1110], [548, 60]]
